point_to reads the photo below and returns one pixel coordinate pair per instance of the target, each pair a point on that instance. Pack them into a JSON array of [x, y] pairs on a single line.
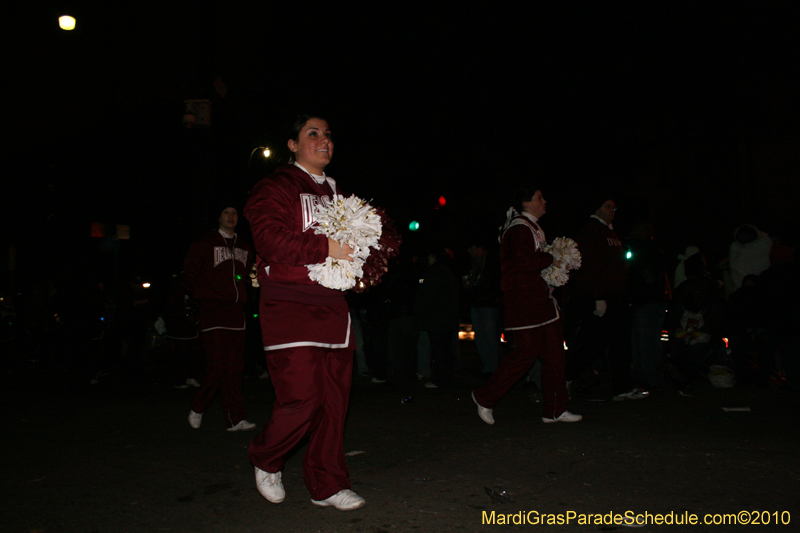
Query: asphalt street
[[120, 457]]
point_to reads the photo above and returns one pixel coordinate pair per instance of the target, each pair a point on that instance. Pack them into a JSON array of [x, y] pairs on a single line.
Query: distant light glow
[[146, 285], [65, 22], [442, 200], [266, 152], [414, 225], [628, 255]]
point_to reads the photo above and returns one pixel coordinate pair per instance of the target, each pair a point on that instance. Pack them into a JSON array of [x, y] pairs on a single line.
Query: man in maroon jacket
[[599, 292], [216, 275]]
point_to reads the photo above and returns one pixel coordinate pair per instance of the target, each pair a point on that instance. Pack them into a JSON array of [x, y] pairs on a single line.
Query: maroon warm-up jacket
[[216, 274]]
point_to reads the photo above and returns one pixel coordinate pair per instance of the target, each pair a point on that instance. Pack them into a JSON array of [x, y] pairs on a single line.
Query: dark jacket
[[436, 305]]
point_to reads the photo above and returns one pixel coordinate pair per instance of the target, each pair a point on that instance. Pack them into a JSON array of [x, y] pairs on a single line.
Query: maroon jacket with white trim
[[215, 273], [279, 211], [527, 301]]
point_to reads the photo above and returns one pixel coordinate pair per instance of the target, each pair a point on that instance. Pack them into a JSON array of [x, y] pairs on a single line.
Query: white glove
[[600, 307]]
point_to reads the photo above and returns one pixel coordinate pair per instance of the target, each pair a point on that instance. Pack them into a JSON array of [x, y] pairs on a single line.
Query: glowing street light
[[65, 22], [265, 152]]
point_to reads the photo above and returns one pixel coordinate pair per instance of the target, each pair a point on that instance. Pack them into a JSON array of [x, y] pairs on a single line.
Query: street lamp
[[265, 152], [65, 22]]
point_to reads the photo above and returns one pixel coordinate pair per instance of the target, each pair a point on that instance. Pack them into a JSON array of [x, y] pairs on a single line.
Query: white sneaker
[[195, 419], [633, 394], [193, 382], [270, 486], [566, 416], [484, 413], [243, 425], [344, 500]]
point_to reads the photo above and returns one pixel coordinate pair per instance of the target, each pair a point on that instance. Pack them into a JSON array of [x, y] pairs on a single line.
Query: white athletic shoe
[[243, 425], [566, 416], [344, 500], [485, 414], [270, 486], [195, 419], [633, 394]]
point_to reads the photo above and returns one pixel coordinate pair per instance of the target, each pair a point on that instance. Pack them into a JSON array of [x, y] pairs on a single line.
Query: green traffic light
[[414, 226]]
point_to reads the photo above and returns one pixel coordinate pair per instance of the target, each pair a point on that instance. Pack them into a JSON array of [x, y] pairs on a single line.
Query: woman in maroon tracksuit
[[530, 312], [306, 330]]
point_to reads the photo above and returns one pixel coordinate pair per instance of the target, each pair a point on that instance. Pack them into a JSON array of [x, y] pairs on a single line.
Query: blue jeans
[[486, 323]]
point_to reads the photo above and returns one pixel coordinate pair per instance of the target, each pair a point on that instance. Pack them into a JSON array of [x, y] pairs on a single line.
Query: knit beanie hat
[[598, 200]]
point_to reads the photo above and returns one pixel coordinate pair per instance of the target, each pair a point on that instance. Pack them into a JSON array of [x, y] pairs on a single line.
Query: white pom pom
[[565, 251], [349, 221]]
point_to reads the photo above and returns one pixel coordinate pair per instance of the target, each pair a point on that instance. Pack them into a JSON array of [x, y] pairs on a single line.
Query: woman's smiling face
[[314, 147]]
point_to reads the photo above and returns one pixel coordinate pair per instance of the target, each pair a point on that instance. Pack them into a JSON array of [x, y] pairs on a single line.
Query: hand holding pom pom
[[566, 257], [354, 231]]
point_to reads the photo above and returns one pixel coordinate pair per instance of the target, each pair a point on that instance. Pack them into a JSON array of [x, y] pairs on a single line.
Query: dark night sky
[[687, 112]]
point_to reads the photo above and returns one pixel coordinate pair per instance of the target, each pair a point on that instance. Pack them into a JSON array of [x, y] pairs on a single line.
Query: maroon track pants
[[545, 343], [225, 353], [312, 386]]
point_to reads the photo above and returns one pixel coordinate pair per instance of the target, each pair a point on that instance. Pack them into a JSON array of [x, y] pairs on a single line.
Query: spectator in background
[[680, 270], [599, 293], [779, 292], [436, 313], [180, 321], [485, 300], [216, 274], [648, 291], [394, 298], [748, 254], [695, 324]]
